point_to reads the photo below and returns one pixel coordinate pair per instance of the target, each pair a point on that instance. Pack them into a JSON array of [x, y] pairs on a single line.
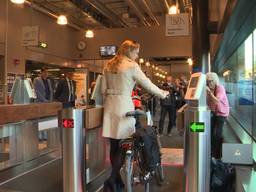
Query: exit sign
[[68, 123], [197, 127]]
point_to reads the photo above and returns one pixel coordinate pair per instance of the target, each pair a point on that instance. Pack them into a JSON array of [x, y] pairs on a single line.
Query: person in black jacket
[[168, 105], [65, 91]]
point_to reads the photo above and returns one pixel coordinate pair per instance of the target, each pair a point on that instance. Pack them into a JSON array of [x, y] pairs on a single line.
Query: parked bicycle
[[142, 154]]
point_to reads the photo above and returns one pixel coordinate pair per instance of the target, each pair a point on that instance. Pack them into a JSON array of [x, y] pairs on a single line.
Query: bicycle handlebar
[[135, 113]]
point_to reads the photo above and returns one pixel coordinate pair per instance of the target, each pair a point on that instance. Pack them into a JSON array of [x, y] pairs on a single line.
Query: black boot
[[119, 184]]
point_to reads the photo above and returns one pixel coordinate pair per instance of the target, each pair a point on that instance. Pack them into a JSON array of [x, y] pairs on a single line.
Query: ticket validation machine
[[197, 140]]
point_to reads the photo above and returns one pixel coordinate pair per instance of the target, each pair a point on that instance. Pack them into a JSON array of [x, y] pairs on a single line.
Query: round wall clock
[[81, 45]]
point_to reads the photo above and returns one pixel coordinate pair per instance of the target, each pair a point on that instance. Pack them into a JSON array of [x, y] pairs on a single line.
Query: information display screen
[[193, 82], [108, 50]]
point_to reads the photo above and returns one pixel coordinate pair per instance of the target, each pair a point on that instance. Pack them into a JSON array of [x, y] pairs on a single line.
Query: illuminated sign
[[197, 127], [68, 123]]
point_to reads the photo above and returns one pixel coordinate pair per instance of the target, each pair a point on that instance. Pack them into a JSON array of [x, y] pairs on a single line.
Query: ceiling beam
[[89, 10], [43, 10], [107, 13], [138, 13], [212, 27], [216, 27], [227, 13], [165, 5], [149, 12], [181, 6]]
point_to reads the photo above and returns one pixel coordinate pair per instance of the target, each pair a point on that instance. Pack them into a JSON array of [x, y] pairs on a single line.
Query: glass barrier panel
[[95, 153], [48, 134], [10, 145]]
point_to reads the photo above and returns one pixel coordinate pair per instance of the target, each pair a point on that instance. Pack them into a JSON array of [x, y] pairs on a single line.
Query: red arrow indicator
[[68, 123]]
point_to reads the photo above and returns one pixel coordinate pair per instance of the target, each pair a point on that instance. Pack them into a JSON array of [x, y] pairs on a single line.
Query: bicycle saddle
[[135, 113]]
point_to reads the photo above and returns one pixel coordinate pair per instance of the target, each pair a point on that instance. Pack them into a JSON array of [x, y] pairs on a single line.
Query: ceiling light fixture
[[18, 1], [226, 73], [89, 34], [190, 61], [62, 20], [173, 10], [141, 60]]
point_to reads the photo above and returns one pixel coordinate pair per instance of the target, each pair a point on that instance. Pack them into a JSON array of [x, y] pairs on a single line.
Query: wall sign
[[30, 36], [177, 25]]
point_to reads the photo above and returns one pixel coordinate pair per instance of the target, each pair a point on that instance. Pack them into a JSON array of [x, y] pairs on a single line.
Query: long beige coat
[[117, 89]]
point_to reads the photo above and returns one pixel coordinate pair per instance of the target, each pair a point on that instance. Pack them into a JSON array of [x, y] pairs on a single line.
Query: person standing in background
[[179, 94], [168, 105], [65, 91], [43, 87], [90, 91], [217, 101]]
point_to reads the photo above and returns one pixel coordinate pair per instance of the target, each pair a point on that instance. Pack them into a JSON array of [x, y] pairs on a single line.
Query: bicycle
[[136, 168]]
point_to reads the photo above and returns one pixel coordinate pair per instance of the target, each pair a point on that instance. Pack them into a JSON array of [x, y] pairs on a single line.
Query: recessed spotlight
[[18, 1], [89, 34], [62, 20]]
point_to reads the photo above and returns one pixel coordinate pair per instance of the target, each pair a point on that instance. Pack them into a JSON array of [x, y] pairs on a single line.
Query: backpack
[[150, 150], [223, 176]]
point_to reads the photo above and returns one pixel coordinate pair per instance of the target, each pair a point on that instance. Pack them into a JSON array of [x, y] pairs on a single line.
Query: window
[[238, 81]]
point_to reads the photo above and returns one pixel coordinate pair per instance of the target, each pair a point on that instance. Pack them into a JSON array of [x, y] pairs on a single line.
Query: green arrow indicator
[[197, 126]]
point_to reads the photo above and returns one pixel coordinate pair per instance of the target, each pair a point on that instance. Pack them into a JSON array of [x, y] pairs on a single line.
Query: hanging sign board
[[177, 25], [30, 36]]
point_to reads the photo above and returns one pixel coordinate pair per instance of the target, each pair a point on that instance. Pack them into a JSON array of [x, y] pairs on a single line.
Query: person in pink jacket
[[217, 101]]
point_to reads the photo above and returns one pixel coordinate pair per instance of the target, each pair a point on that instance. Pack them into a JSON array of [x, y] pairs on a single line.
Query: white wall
[[59, 38], [153, 42]]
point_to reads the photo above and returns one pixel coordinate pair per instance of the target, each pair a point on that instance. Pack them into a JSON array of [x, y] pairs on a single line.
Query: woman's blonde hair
[[124, 50], [214, 77]]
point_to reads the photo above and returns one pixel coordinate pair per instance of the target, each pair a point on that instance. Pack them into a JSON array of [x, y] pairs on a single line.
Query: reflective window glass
[[238, 76]]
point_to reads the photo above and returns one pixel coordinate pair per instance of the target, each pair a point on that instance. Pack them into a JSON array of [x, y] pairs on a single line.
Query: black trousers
[[116, 158], [217, 123], [172, 117]]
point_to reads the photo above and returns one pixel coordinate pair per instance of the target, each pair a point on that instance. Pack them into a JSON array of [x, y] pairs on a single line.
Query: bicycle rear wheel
[[129, 172]]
